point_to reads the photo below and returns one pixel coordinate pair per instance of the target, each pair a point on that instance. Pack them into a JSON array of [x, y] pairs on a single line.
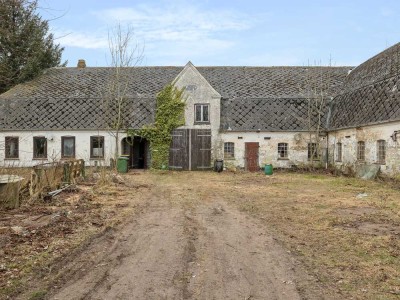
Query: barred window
[[282, 150], [381, 151], [313, 151], [361, 150], [339, 152], [12, 145], [229, 150]]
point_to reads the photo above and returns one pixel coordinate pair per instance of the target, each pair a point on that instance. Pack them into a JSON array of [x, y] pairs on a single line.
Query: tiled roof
[[68, 98], [371, 94], [380, 67], [272, 114], [266, 82], [72, 113], [375, 103]]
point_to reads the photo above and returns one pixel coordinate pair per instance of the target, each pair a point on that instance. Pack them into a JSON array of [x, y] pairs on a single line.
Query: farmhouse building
[[247, 116]]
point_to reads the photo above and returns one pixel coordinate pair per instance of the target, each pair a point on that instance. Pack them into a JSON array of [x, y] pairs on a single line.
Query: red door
[[251, 155]]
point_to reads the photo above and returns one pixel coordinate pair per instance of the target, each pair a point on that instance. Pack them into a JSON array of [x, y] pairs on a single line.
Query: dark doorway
[[137, 149], [251, 155]]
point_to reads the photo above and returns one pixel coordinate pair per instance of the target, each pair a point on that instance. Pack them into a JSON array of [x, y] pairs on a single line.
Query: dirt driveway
[[186, 243], [204, 235]]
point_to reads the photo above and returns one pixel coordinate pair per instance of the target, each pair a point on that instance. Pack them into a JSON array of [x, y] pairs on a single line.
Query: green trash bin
[[268, 169], [122, 164]]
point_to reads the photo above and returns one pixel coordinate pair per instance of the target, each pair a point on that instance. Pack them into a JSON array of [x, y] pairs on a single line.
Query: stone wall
[[370, 135]]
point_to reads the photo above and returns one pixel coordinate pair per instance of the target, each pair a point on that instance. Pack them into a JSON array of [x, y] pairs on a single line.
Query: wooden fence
[[51, 176]]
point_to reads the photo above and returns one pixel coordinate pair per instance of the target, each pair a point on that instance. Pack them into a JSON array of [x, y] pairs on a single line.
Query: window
[[361, 150], [282, 150], [97, 147], [339, 152], [313, 151], [202, 113], [11, 144], [229, 150], [126, 146], [381, 152], [39, 147], [67, 146]]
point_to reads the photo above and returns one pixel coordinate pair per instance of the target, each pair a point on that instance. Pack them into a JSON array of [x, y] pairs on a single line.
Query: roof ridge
[[209, 66], [376, 55]]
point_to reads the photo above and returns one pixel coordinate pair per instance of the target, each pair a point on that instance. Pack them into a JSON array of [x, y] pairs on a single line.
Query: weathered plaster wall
[[268, 151], [370, 135], [82, 146], [199, 91]]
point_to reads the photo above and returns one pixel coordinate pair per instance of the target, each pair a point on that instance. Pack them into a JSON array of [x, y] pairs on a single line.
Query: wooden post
[[67, 173]]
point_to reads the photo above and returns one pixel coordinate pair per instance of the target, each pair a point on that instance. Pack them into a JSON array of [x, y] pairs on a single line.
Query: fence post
[[82, 168], [67, 173]]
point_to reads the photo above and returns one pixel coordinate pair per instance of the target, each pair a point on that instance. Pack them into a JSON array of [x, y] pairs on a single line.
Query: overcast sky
[[229, 32]]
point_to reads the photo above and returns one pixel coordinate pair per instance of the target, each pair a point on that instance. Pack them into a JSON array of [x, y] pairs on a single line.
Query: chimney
[[81, 64]]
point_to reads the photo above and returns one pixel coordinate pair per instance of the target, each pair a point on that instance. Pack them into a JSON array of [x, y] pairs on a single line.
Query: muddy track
[[201, 249]]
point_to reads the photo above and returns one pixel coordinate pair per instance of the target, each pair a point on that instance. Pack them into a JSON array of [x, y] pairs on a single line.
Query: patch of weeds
[[38, 295]]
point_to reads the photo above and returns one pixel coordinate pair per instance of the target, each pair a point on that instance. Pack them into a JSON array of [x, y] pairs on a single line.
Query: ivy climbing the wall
[[170, 114]]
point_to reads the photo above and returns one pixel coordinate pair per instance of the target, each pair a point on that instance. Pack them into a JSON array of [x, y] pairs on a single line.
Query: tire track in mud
[[189, 255], [234, 258], [146, 262], [191, 247]]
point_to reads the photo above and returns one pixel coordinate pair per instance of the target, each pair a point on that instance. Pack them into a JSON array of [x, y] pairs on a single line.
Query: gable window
[[339, 152], [39, 147], [97, 147], [11, 145], [381, 152], [202, 113], [282, 150], [229, 150], [67, 146], [361, 150], [312, 151]]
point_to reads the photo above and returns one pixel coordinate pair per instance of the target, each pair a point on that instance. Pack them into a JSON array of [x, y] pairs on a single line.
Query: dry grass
[[50, 231], [346, 231]]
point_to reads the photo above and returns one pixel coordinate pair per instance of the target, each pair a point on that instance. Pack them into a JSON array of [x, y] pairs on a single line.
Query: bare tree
[[124, 53], [317, 90]]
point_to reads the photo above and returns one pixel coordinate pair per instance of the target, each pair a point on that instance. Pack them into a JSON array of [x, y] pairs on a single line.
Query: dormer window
[[202, 113]]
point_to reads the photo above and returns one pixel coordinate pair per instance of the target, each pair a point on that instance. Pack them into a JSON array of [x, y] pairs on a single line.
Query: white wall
[[201, 92], [82, 146], [268, 151], [370, 135]]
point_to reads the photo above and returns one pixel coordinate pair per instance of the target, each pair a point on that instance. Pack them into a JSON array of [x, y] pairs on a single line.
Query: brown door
[[251, 155]]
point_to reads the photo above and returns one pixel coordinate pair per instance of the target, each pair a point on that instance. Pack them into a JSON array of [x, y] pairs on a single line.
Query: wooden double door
[[190, 149]]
